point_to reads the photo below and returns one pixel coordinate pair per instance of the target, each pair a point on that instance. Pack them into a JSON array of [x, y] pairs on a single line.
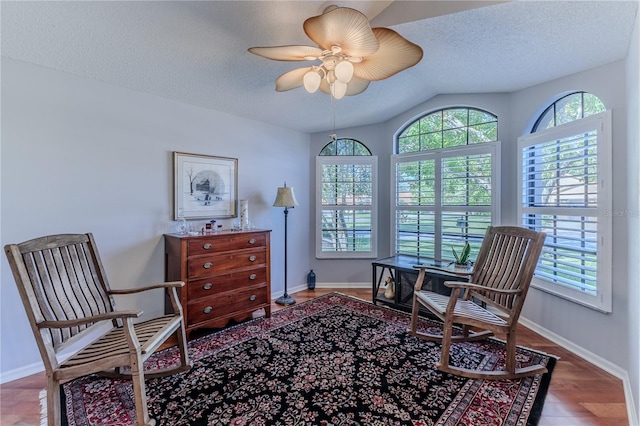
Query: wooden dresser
[[227, 276]]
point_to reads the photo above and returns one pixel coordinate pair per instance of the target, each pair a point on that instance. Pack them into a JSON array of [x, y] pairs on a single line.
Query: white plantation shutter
[[443, 198], [347, 208], [565, 191]]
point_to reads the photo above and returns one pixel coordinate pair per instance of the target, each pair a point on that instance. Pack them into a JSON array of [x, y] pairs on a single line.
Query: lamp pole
[[285, 299], [286, 214], [286, 199]]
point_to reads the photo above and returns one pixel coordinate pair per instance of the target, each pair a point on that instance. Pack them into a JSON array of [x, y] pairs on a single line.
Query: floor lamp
[[287, 199]]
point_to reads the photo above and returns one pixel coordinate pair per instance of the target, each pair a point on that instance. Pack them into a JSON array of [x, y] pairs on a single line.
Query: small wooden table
[[401, 270]]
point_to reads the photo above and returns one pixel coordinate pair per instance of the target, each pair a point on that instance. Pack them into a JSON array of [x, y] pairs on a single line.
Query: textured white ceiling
[[196, 52]]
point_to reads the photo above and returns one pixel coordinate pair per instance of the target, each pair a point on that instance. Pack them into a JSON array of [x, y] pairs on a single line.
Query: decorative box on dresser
[[227, 276]]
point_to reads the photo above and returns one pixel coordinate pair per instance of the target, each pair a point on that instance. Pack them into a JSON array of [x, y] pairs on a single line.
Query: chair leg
[[511, 353], [182, 346], [446, 343], [465, 331], [414, 316], [53, 402], [139, 390]]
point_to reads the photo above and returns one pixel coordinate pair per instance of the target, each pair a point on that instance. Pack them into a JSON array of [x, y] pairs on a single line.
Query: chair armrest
[[146, 288], [471, 286], [95, 318]]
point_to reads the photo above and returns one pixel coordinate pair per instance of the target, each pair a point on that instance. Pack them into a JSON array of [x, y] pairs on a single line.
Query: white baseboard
[[19, 373], [631, 408], [594, 359], [344, 285], [301, 287]]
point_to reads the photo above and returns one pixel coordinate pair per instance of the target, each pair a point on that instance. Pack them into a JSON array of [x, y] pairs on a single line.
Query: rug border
[[538, 404]]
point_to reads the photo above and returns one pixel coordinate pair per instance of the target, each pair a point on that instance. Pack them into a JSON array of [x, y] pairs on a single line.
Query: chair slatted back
[[507, 261], [60, 277]]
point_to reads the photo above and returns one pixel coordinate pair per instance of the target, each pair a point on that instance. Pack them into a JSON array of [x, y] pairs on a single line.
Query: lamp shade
[[285, 197]]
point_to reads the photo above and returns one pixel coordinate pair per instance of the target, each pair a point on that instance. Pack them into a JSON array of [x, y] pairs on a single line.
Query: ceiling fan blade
[[291, 79], [395, 54], [344, 27], [287, 53], [355, 86]]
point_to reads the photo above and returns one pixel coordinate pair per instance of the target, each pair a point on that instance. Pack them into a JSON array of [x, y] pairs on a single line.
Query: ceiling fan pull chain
[[333, 136]]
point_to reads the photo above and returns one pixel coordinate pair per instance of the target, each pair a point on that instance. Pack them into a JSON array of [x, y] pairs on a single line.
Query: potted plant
[[462, 260]]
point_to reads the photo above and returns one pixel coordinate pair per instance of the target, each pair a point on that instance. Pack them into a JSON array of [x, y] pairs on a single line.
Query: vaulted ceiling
[[196, 52]]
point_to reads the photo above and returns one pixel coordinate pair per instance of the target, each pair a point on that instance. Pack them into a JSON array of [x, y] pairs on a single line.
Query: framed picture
[[205, 187]]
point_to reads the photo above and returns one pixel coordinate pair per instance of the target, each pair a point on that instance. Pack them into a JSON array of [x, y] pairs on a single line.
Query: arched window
[[446, 182], [573, 106], [345, 147], [346, 216], [448, 128], [565, 191]]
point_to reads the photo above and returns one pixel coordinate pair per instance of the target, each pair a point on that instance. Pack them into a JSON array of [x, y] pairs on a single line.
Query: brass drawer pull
[[252, 241], [207, 310], [207, 265], [207, 286], [253, 297], [252, 258], [252, 276], [207, 246]]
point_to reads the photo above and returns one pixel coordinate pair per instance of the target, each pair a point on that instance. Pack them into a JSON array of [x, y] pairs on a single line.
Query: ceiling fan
[[352, 54]]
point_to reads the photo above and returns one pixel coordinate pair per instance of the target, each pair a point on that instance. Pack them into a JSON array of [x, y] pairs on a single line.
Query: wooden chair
[[500, 280], [70, 306]]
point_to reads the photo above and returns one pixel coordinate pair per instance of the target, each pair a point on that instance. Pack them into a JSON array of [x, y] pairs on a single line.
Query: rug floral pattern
[[335, 360]]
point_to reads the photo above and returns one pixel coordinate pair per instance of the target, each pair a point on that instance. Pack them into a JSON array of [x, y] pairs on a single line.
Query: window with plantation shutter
[[446, 182], [346, 175], [443, 199], [565, 191]]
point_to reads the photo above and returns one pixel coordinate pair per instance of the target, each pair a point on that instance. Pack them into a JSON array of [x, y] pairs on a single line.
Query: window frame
[[493, 148], [601, 123], [373, 208]]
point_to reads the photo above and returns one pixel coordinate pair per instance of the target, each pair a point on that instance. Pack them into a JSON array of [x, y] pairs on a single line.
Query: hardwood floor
[[580, 393]]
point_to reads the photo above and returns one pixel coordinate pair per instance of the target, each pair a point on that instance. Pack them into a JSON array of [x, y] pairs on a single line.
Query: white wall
[[80, 156], [633, 197]]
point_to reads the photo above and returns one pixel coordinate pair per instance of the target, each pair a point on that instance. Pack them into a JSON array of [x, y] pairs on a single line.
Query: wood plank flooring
[[580, 393]]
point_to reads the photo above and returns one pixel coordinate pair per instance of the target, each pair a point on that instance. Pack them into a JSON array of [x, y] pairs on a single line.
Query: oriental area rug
[[334, 360]]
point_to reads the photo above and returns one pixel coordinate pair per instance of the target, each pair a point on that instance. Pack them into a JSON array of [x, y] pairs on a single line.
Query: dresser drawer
[[203, 310], [225, 243], [213, 265], [211, 286]]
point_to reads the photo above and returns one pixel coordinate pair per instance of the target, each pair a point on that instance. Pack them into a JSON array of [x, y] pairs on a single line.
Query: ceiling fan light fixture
[[338, 89], [344, 71], [311, 81]]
